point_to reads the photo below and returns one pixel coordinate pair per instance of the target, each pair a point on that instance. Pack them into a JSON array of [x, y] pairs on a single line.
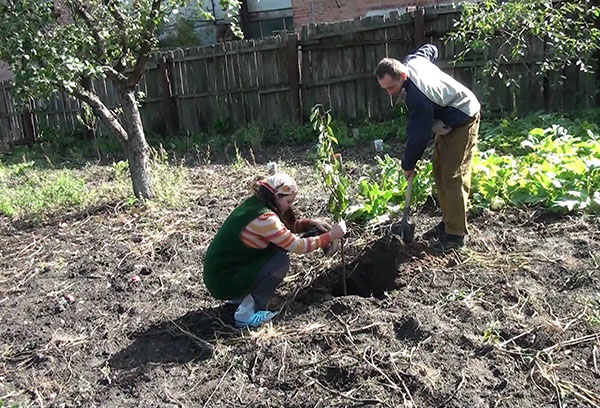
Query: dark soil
[[484, 327]]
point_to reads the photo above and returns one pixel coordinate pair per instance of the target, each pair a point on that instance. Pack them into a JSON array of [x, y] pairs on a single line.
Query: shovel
[[405, 227]]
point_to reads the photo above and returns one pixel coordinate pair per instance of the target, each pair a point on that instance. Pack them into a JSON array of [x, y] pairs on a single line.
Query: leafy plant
[[389, 130], [330, 167], [523, 165], [384, 196], [554, 169], [329, 163], [492, 332]]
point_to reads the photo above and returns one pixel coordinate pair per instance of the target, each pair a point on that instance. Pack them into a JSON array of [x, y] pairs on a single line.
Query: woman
[[248, 258]]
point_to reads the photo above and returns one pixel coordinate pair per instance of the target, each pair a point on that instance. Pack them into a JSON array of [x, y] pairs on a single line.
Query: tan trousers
[[452, 161]]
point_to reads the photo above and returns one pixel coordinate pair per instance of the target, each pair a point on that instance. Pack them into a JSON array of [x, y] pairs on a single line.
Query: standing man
[[440, 105]]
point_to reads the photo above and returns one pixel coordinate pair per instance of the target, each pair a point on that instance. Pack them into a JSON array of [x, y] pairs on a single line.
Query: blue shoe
[[256, 319]]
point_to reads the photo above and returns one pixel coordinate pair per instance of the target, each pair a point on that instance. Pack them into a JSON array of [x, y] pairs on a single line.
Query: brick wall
[[327, 11]]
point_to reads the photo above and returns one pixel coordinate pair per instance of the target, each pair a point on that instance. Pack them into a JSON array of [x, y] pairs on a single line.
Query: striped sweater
[[268, 228]]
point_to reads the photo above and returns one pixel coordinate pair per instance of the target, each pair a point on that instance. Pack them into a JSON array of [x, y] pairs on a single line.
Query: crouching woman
[[248, 258]]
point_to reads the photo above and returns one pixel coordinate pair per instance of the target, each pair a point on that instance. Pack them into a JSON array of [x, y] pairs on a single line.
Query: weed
[[249, 137], [299, 134], [492, 333], [593, 304], [169, 180], [390, 130], [240, 162], [469, 298], [386, 194]]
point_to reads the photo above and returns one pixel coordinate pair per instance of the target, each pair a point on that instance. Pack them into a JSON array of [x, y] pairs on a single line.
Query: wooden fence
[[277, 80]]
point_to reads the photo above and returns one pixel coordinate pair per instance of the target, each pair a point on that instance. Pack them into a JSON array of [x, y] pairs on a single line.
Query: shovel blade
[[408, 232]]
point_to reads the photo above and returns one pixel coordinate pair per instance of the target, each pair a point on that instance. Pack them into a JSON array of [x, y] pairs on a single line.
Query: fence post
[[419, 27], [169, 107], [294, 76], [29, 130]]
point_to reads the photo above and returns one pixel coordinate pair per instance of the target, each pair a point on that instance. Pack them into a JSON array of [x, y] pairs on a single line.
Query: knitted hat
[[280, 183]]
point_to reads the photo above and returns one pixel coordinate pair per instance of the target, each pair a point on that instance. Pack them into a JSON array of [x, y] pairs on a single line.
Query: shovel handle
[[408, 196]]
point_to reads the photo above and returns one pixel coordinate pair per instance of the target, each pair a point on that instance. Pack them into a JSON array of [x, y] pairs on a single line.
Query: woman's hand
[[338, 230], [321, 225]]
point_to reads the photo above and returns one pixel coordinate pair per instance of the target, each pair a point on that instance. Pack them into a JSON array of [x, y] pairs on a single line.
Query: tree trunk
[[137, 148]]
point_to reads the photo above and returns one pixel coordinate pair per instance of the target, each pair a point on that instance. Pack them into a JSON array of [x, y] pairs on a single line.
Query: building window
[[269, 25]]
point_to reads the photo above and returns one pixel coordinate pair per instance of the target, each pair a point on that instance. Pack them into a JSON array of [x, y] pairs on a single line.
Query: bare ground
[[513, 321]]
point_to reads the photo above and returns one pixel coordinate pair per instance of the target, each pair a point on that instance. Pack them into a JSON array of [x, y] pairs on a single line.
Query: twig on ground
[[123, 259], [172, 398], [576, 319], [349, 397], [24, 280], [345, 326], [595, 358], [220, 382], [193, 336], [283, 353], [162, 287], [58, 292], [460, 384], [406, 390], [525, 333], [572, 342]]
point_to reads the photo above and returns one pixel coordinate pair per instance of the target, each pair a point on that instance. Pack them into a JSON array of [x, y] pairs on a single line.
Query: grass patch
[[34, 191], [28, 191]]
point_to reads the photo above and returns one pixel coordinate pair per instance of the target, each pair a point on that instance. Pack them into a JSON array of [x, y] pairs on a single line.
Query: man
[[437, 104]]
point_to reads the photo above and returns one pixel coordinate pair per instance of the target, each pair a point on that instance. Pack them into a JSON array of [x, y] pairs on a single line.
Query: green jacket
[[230, 266]]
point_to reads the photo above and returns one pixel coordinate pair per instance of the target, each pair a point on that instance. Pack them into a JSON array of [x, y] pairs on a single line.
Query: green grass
[[26, 190], [33, 192]]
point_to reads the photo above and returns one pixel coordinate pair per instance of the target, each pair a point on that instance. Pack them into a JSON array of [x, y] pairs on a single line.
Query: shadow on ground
[[372, 274], [178, 341]]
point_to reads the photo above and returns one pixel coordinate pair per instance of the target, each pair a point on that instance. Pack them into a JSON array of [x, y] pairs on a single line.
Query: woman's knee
[[283, 264]]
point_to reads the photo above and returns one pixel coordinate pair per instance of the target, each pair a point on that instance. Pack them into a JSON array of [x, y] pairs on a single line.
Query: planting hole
[[373, 273]]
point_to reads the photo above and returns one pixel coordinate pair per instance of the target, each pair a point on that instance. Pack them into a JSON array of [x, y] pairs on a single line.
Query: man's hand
[[409, 173], [321, 225]]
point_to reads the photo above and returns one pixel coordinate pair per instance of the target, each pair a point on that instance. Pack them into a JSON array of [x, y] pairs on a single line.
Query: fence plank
[[348, 64], [306, 75], [284, 81], [360, 67], [249, 80], [293, 74], [376, 97], [178, 86], [336, 89]]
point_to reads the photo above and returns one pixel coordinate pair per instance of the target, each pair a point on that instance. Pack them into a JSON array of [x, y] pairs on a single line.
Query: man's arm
[[428, 51], [418, 130]]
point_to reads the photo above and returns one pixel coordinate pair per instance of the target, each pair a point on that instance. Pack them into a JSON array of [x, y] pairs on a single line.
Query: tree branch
[[115, 75], [106, 115], [122, 26], [101, 51], [146, 46], [78, 8]]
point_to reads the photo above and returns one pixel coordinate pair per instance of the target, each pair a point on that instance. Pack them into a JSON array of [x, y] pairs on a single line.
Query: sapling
[[330, 167]]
